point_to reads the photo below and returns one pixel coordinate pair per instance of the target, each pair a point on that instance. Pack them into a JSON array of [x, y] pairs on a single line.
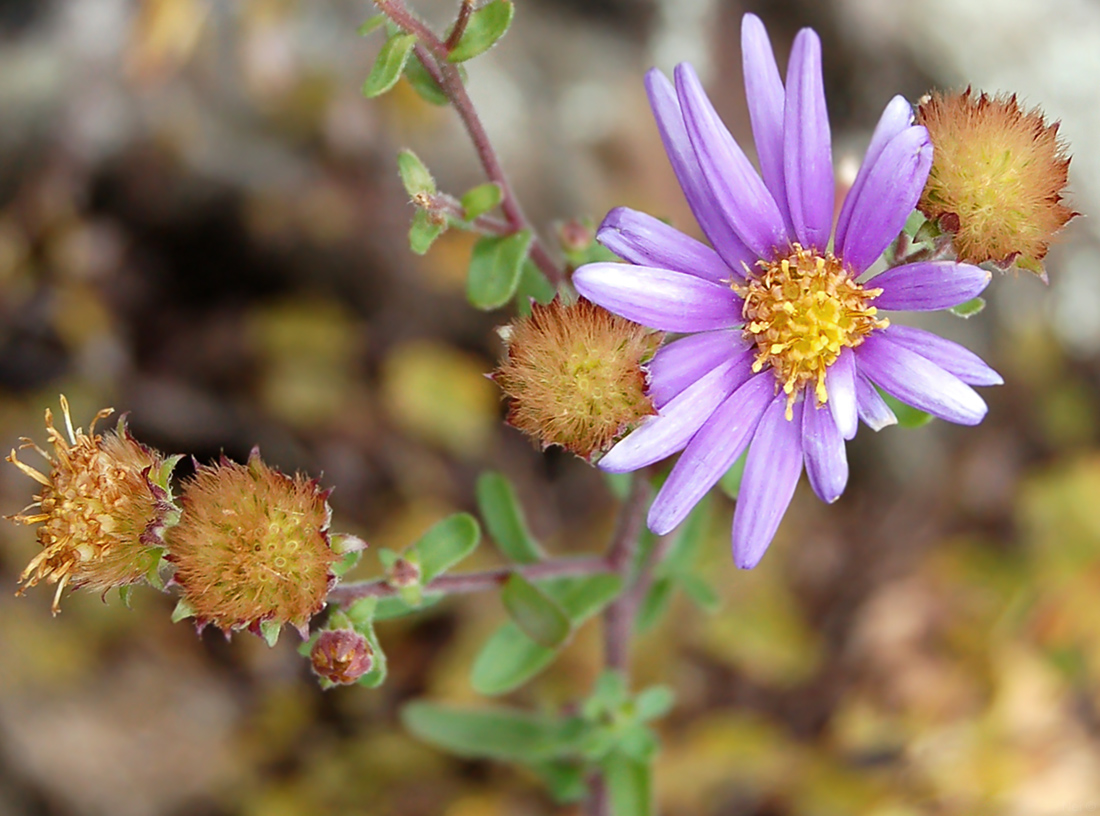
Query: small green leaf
[[415, 176], [269, 630], [581, 598], [508, 660], [629, 785], [445, 544], [731, 479], [968, 309], [361, 612], [395, 606], [371, 25], [377, 674], [494, 733], [182, 611], [565, 780], [423, 231], [700, 591], [495, 269], [533, 285], [654, 702], [480, 200], [908, 416], [503, 515], [424, 83], [348, 562], [485, 26], [389, 65], [125, 594], [654, 605], [534, 613]]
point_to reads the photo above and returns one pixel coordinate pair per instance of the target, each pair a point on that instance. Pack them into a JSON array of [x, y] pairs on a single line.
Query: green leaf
[[654, 605], [534, 613], [269, 630], [508, 660], [495, 269], [125, 594], [968, 309], [565, 780], [689, 541], [619, 483], [908, 416], [371, 25], [423, 231], [480, 200], [508, 734], [361, 612], [533, 285], [395, 606], [629, 785], [503, 515], [581, 598], [445, 544], [348, 562], [731, 479], [182, 611], [485, 26], [424, 83], [389, 65], [377, 674], [654, 702], [415, 176], [699, 591]]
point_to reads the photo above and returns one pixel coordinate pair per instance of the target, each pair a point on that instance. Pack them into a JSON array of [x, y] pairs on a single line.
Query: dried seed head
[[252, 548], [574, 375], [103, 508], [998, 174], [341, 656]]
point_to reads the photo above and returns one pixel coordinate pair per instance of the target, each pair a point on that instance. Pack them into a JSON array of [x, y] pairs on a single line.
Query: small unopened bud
[[997, 179], [341, 656], [103, 508], [403, 573], [574, 375], [576, 236], [252, 548]]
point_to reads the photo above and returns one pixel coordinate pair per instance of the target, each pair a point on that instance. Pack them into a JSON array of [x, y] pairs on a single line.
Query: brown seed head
[[574, 375], [341, 656], [252, 547], [998, 174], [103, 508]]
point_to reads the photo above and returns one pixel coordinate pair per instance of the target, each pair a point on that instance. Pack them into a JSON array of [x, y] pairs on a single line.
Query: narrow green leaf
[[540, 618], [480, 200], [690, 539], [565, 780], [270, 630], [485, 26], [731, 479], [503, 515], [493, 733], [125, 594], [415, 176], [371, 25], [347, 563], [397, 607], [654, 604], [361, 612], [533, 285], [629, 785], [389, 65], [908, 416], [377, 674], [182, 611], [495, 269], [445, 544], [968, 309], [581, 598], [699, 591], [423, 83], [423, 231], [507, 661], [654, 702]]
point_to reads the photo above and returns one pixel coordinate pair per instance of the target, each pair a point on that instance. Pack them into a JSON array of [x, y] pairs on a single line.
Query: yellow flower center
[[801, 311]]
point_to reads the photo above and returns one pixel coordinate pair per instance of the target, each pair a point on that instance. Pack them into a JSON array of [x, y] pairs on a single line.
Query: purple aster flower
[[783, 344]]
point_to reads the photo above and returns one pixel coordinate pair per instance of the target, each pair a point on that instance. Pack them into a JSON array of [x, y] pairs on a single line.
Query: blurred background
[[201, 223]]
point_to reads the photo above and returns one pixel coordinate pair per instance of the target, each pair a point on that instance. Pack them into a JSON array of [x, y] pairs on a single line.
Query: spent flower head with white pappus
[[784, 344]]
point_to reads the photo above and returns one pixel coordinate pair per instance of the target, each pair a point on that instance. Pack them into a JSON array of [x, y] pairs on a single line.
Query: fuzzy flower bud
[[998, 174], [103, 508], [574, 375], [341, 656], [252, 548]]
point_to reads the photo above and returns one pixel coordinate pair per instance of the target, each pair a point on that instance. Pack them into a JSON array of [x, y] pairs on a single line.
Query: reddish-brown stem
[[459, 29], [619, 617], [448, 205], [432, 52], [462, 583]]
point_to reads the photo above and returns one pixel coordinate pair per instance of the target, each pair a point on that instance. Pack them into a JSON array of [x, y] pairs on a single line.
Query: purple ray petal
[[896, 118], [659, 298], [807, 146], [772, 469], [926, 287], [888, 195], [823, 448], [740, 192], [681, 155], [648, 241], [951, 357], [765, 95], [669, 431], [711, 452], [918, 382], [683, 361], [840, 383], [873, 409]]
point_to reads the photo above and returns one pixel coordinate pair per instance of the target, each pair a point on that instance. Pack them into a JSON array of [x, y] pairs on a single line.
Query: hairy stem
[[432, 52]]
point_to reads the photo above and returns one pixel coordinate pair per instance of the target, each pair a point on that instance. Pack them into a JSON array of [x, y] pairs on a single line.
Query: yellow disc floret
[[801, 311]]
